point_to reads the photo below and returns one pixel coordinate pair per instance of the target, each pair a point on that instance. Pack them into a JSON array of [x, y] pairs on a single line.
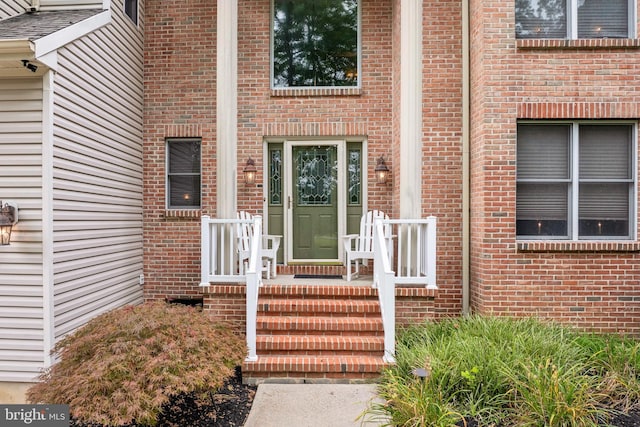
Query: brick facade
[[590, 284], [593, 285]]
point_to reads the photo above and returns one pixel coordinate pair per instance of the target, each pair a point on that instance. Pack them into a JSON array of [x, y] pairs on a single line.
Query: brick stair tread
[[318, 323], [319, 291], [338, 306], [312, 364], [317, 343]]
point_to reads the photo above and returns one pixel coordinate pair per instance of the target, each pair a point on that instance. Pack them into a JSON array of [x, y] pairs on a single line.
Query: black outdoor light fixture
[[29, 66], [8, 218], [250, 171], [382, 171]]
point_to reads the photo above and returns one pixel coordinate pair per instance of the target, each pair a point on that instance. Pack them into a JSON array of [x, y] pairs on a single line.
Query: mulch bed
[[227, 407]]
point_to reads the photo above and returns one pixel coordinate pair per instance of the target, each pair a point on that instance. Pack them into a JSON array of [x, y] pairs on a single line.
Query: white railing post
[[431, 252], [384, 280], [254, 275], [205, 254]]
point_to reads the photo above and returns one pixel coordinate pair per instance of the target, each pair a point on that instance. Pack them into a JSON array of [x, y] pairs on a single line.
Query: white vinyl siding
[[70, 4], [21, 302], [97, 174], [9, 8]]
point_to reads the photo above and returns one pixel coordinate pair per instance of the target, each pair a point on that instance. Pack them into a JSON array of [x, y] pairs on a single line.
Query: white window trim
[[306, 88], [574, 182]]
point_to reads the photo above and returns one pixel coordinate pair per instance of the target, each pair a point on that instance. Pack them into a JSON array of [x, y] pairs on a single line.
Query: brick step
[[302, 307], [279, 368], [338, 292], [319, 345], [321, 324]]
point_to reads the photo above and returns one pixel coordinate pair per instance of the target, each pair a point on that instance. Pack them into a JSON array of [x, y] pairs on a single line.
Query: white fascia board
[[73, 32]]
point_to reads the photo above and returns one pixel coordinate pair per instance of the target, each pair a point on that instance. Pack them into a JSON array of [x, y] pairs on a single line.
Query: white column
[[227, 107], [410, 109]]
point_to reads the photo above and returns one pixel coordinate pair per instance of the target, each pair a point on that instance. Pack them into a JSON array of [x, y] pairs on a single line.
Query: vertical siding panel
[[21, 336], [97, 174]]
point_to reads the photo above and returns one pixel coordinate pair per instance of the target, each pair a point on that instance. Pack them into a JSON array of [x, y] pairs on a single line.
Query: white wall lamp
[[8, 218]]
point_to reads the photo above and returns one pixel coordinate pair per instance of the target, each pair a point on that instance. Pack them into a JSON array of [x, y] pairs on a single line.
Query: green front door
[[315, 202]]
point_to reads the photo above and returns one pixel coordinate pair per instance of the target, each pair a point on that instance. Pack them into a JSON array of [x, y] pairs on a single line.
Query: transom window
[[574, 19], [315, 43], [183, 173], [576, 180]]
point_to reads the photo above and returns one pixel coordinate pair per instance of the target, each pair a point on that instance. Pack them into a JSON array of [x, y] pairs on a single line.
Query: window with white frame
[[576, 180], [575, 19], [131, 10], [315, 43], [183, 173]]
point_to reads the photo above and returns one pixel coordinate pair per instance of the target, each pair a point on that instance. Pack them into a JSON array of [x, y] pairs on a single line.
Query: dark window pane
[[131, 9], [605, 151], [315, 43], [541, 19], [543, 151], [184, 156], [604, 209], [184, 191], [541, 210], [603, 19]]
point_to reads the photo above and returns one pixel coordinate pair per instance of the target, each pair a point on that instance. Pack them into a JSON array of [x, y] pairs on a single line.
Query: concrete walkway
[[312, 405]]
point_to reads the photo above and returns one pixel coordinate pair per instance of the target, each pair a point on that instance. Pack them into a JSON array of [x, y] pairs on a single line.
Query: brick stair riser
[[318, 332], [319, 307]]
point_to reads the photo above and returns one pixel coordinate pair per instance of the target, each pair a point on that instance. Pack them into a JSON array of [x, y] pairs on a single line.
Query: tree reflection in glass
[[315, 43]]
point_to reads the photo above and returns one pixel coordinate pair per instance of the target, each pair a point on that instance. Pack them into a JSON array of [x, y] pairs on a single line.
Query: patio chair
[[270, 246], [359, 247]]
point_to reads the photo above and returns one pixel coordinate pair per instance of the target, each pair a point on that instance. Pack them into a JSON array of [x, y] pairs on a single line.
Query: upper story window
[[576, 180], [183, 173], [131, 10], [315, 43], [575, 19]]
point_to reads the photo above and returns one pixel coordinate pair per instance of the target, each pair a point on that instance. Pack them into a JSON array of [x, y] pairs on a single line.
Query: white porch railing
[[220, 264], [415, 265]]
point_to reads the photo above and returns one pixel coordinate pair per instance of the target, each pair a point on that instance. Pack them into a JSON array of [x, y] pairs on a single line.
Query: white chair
[[359, 247], [270, 246]]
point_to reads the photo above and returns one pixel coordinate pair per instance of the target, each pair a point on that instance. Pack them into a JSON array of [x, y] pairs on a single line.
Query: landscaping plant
[[498, 371], [124, 365]]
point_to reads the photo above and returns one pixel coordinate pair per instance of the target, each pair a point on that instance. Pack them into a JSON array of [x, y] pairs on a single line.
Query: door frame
[[287, 189]]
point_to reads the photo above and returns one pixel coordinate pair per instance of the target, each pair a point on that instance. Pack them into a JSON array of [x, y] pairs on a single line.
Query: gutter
[[466, 163]]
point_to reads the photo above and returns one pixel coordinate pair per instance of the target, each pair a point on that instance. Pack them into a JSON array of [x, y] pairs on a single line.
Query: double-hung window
[[575, 19], [183, 173], [315, 43], [576, 180]]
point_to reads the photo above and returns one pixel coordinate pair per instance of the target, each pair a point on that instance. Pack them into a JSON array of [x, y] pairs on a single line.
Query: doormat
[[317, 276]]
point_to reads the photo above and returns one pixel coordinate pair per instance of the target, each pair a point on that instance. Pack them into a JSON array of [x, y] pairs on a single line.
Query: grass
[[508, 372]]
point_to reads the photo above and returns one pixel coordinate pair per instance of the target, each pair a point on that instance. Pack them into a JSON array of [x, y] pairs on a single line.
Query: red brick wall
[[180, 101], [593, 285], [180, 52]]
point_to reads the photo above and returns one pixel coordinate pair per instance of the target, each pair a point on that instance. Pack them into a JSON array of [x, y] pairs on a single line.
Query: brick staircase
[[317, 333]]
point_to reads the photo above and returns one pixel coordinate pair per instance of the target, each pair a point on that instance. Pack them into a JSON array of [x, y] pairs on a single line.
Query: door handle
[[289, 202]]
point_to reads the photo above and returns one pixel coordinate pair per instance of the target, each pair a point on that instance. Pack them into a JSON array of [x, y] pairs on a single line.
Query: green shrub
[[125, 364], [505, 371]]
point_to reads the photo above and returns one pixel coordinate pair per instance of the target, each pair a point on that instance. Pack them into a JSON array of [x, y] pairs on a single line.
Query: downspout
[[466, 193]]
